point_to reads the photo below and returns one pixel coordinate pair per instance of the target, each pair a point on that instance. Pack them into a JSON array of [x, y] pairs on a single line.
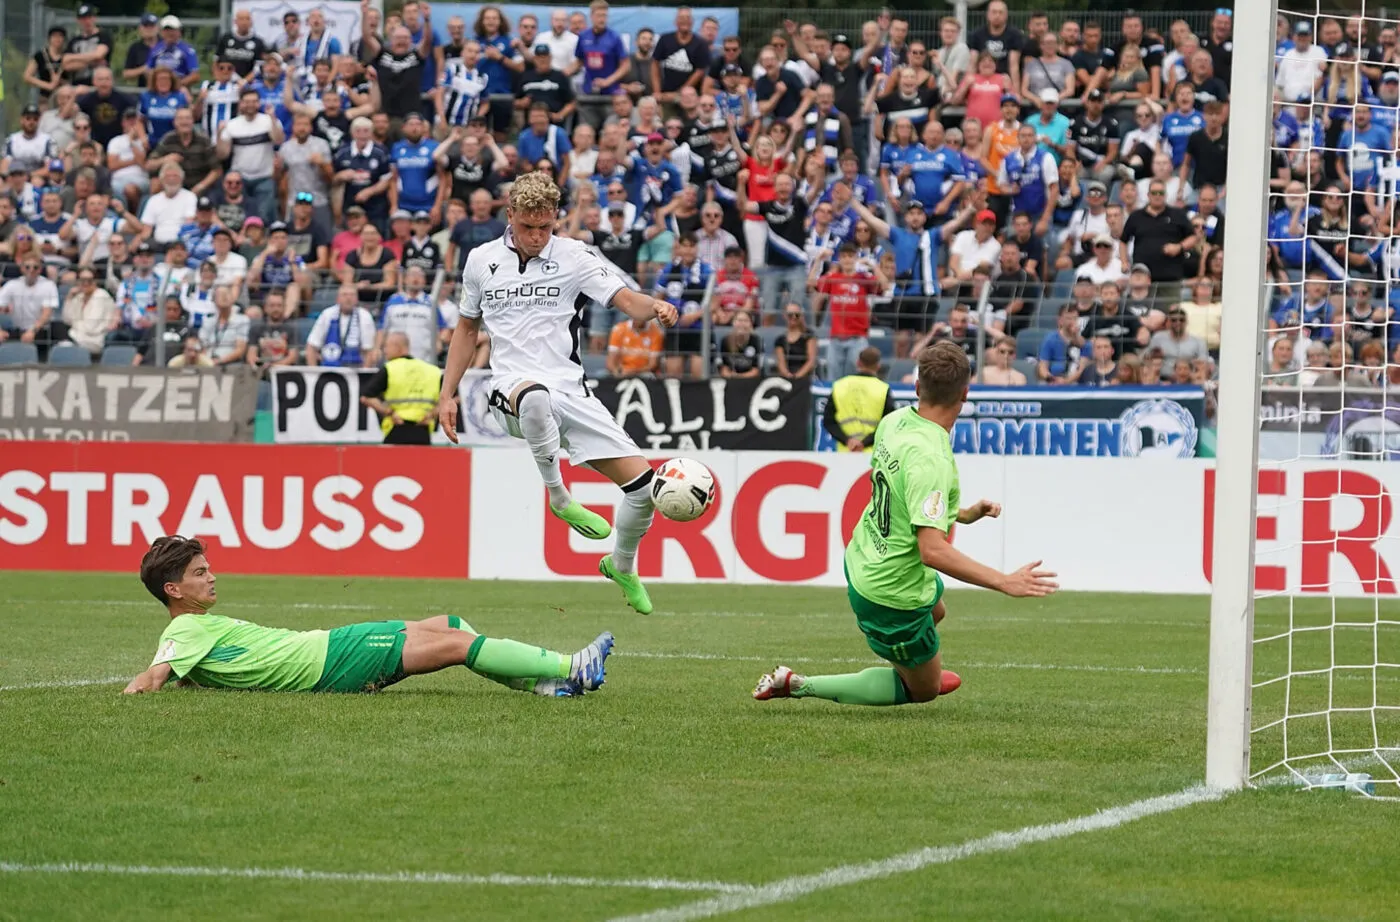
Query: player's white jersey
[[534, 311]]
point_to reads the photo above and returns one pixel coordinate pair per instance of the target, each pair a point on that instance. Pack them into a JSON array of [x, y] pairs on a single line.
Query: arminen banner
[[668, 414], [113, 404], [313, 510], [342, 18], [1359, 424], [322, 405], [1084, 422], [778, 518]]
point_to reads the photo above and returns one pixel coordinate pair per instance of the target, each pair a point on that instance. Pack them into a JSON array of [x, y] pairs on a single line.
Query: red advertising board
[[313, 510]]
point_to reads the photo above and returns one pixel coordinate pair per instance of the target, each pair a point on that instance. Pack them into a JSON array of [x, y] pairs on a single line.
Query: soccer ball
[[683, 489]]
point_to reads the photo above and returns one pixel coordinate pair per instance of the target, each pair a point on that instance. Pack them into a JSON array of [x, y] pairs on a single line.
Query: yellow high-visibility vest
[[412, 392], [860, 404]]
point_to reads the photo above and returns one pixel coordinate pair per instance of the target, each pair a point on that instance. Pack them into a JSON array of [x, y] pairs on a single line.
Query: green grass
[[669, 771]]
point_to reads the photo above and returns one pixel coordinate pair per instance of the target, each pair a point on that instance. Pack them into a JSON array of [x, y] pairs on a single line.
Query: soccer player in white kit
[[529, 288]]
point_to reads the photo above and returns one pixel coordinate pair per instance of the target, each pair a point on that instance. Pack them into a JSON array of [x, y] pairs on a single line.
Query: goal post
[[1246, 298]]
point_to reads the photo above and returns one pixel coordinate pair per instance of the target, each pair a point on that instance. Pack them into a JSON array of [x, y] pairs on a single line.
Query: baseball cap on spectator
[[17, 170], [655, 138], [1095, 186], [422, 216], [252, 221], [541, 48], [413, 117], [171, 22], [1342, 49], [55, 165], [1009, 98], [144, 249], [86, 10], [732, 70], [401, 215], [1103, 240], [131, 113], [1302, 28], [30, 109], [305, 198], [617, 208], [149, 19], [1391, 77], [841, 39], [1049, 94], [1141, 267], [274, 227], [223, 232], [913, 204], [1095, 94], [986, 214], [354, 210], [204, 204]]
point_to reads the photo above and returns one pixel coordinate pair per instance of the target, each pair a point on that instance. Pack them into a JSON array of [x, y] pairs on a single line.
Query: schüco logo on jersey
[[522, 291]]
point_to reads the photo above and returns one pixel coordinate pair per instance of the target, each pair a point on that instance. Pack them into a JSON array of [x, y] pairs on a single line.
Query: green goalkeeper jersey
[[227, 653], [913, 485]]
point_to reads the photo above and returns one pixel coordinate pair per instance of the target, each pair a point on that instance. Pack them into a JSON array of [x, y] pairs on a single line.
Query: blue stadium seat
[[898, 368], [265, 396], [1064, 284], [1028, 342], [302, 326], [1047, 312], [18, 353], [68, 354], [1030, 368], [595, 365], [118, 355], [883, 340]]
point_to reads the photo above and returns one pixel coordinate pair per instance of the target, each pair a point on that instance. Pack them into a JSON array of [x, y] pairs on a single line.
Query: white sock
[[633, 519], [535, 411]]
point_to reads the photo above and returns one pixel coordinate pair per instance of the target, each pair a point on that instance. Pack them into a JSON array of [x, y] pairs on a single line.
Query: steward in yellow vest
[[405, 394], [857, 404]]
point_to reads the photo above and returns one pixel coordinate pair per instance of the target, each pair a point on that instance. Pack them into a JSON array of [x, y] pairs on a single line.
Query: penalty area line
[[373, 877], [793, 888]]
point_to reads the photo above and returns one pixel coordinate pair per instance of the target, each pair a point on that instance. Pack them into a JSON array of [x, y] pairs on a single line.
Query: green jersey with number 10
[[913, 485]]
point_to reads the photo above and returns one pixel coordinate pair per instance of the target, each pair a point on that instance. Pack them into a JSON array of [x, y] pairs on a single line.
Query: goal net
[[1315, 558]]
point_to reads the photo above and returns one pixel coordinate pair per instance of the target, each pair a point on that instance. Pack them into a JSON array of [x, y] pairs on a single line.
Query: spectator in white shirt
[[225, 334], [972, 248], [563, 44], [171, 208], [126, 158], [1300, 68], [28, 305], [232, 267], [1106, 266]]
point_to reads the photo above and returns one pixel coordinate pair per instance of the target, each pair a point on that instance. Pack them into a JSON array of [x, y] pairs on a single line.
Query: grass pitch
[[671, 773]]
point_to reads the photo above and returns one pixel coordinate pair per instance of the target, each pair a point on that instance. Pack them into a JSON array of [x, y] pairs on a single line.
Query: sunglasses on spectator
[[1224, 11], [30, 266], [617, 192], [1156, 191], [793, 316], [305, 197]]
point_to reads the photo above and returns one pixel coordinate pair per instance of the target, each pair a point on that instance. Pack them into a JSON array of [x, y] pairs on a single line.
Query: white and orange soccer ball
[[683, 489]]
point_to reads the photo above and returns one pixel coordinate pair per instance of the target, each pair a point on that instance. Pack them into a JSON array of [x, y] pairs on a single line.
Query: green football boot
[[632, 588], [583, 520]]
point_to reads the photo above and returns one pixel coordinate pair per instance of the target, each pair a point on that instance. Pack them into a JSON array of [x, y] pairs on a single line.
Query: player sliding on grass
[[900, 546], [210, 650], [530, 289]]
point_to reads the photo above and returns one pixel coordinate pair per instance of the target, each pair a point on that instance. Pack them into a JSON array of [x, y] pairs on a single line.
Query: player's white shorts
[[587, 431]]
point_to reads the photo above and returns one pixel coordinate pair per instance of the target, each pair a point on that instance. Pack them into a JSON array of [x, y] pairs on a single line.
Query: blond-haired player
[[529, 289]]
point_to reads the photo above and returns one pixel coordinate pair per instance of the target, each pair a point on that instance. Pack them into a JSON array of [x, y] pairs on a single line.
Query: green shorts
[[363, 657], [906, 638]]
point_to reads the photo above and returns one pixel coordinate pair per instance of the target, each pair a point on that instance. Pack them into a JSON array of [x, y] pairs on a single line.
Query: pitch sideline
[[793, 888]]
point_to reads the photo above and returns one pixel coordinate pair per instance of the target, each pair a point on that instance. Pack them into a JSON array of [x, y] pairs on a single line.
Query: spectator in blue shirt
[[937, 174], [173, 52], [1033, 178], [492, 31], [1185, 120], [604, 57], [543, 140], [1059, 352], [160, 103], [1050, 124], [1364, 146], [416, 173]]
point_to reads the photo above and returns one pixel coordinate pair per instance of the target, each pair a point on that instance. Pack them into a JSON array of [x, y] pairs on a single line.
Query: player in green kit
[[210, 650], [900, 546]]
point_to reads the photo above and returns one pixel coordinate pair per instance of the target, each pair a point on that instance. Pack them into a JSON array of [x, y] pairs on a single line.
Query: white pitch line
[[371, 877], [792, 888], [857, 660], [65, 683]]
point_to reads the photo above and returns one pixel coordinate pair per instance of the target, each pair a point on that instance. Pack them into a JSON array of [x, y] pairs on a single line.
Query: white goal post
[[1305, 664], [1237, 445]]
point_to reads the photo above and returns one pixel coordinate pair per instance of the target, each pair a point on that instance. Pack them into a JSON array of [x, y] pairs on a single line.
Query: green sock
[[875, 686], [524, 685], [513, 660]]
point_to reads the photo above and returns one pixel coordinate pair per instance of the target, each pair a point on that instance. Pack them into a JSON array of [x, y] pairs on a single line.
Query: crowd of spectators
[[1052, 200]]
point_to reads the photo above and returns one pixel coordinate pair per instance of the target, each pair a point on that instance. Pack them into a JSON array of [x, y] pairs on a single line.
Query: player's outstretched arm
[[937, 553], [982, 509], [644, 307], [152, 679]]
